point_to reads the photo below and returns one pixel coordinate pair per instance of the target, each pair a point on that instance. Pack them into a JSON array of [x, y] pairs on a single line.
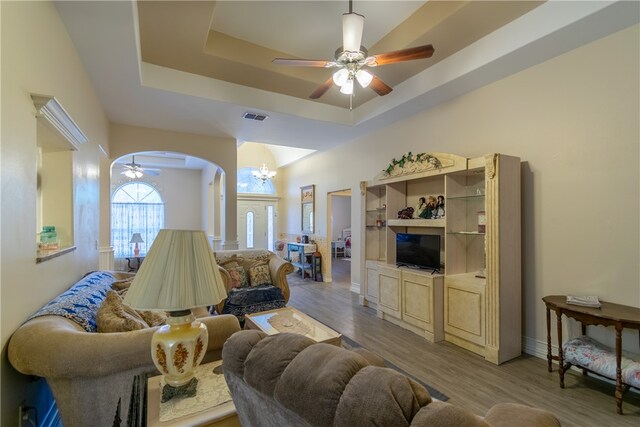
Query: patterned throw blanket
[[81, 302], [253, 300]]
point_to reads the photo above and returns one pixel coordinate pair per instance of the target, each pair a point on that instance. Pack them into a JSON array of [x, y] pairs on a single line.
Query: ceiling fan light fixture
[[133, 174], [352, 26], [364, 77], [347, 88], [340, 77]]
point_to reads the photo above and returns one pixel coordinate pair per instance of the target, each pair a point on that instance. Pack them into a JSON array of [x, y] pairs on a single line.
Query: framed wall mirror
[[307, 199]]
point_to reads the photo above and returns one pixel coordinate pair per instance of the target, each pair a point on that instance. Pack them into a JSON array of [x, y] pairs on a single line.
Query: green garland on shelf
[[410, 158]]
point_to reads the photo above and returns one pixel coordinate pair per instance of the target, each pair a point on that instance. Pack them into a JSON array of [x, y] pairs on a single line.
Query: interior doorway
[[338, 266], [256, 223]]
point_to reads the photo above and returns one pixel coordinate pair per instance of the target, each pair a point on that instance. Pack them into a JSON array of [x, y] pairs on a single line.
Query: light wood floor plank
[[466, 378]]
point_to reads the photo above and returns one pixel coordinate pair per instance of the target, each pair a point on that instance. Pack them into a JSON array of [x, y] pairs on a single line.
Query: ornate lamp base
[[187, 390], [177, 348]]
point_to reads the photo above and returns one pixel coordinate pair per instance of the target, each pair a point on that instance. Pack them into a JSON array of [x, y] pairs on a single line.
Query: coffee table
[[288, 319]]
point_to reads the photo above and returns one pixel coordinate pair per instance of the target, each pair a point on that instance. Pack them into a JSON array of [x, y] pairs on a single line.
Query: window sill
[[47, 255]]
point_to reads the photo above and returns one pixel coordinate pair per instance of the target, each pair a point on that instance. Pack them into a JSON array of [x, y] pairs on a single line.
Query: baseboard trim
[[355, 287]]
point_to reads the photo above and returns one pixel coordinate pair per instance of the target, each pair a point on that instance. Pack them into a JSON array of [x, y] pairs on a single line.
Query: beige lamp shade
[[179, 273]]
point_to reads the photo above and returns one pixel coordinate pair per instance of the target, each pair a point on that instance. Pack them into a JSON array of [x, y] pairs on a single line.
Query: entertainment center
[[474, 301]]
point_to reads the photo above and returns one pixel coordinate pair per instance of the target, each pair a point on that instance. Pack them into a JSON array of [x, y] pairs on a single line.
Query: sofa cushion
[[442, 414], [115, 316], [80, 303], [269, 358], [259, 274], [237, 348], [253, 300], [326, 370]]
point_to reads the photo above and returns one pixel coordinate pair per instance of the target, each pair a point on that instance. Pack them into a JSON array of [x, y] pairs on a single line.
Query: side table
[[212, 405], [609, 314]]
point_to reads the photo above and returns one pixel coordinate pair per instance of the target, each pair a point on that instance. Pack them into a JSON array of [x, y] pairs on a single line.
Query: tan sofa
[[289, 380], [278, 270], [89, 372]]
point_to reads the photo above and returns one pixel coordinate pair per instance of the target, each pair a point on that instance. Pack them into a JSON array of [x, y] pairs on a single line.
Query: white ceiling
[[138, 93]]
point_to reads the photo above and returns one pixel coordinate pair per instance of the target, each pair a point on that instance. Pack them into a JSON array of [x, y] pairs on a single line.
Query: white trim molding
[[106, 261], [54, 115]]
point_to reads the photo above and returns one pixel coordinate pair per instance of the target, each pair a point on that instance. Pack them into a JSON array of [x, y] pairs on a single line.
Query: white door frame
[[261, 199], [328, 262]]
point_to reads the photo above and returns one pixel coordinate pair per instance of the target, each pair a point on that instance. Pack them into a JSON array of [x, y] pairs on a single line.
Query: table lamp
[[136, 238], [179, 273]]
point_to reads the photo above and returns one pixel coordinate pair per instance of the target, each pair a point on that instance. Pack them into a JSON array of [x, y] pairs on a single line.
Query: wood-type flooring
[[466, 378]]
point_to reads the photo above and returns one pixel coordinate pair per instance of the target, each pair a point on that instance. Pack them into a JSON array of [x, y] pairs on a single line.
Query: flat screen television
[[418, 251]]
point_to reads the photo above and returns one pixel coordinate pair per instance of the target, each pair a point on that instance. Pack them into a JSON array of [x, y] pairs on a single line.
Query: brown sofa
[[278, 270], [288, 379], [89, 372]]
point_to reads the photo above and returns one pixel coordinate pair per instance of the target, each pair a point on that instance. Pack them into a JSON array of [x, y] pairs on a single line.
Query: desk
[[616, 315], [337, 248], [302, 250]]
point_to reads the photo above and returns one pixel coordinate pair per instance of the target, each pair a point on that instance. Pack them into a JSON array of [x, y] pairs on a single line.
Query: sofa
[[256, 280], [90, 371], [288, 379]]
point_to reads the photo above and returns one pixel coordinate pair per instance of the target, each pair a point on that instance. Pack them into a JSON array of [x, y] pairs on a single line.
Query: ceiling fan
[[352, 60], [135, 170]]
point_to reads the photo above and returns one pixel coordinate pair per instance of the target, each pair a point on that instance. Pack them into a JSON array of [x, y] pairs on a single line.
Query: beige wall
[[573, 120], [221, 151], [251, 154], [38, 57]]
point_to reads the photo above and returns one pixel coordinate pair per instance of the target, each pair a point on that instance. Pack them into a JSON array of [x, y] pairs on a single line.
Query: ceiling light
[[263, 173], [341, 76], [364, 78], [347, 88], [132, 174]]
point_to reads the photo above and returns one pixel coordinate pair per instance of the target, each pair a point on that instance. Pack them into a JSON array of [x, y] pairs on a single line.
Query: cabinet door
[[371, 282], [464, 315], [389, 291], [422, 299]]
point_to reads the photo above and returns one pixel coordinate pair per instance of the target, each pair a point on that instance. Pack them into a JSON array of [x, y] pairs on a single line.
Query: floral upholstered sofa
[[90, 371], [256, 280]]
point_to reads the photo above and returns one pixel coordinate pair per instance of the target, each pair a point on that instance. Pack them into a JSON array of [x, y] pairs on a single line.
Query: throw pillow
[[152, 318], [114, 316], [238, 275], [259, 274], [119, 285]]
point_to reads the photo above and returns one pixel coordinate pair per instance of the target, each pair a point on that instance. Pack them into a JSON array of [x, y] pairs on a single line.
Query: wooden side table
[[609, 314], [137, 262]]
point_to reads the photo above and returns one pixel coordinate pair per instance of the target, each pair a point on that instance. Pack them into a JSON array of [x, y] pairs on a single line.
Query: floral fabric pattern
[[81, 302], [597, 357], [259, 274]]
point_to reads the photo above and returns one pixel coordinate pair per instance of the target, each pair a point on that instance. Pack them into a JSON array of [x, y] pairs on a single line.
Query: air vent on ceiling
[[255, 116]]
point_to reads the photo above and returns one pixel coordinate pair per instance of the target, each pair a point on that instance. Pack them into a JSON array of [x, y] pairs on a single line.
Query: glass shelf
[[466, 233], [471, 197]]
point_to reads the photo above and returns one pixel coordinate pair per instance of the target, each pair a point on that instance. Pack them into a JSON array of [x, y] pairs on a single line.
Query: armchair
[[256, 280]]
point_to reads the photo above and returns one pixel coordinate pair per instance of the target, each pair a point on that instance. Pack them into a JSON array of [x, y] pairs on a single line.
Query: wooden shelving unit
[[475, 302]]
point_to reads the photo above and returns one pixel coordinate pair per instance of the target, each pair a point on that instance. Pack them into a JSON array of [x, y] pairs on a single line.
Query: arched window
[[136, 207], [247, 183]]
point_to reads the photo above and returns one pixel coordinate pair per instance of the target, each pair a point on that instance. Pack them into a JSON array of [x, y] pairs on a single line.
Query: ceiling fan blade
[[379, 87], [420, 52], [352, 27], [151, 172], [322, 89], [302, 62]]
